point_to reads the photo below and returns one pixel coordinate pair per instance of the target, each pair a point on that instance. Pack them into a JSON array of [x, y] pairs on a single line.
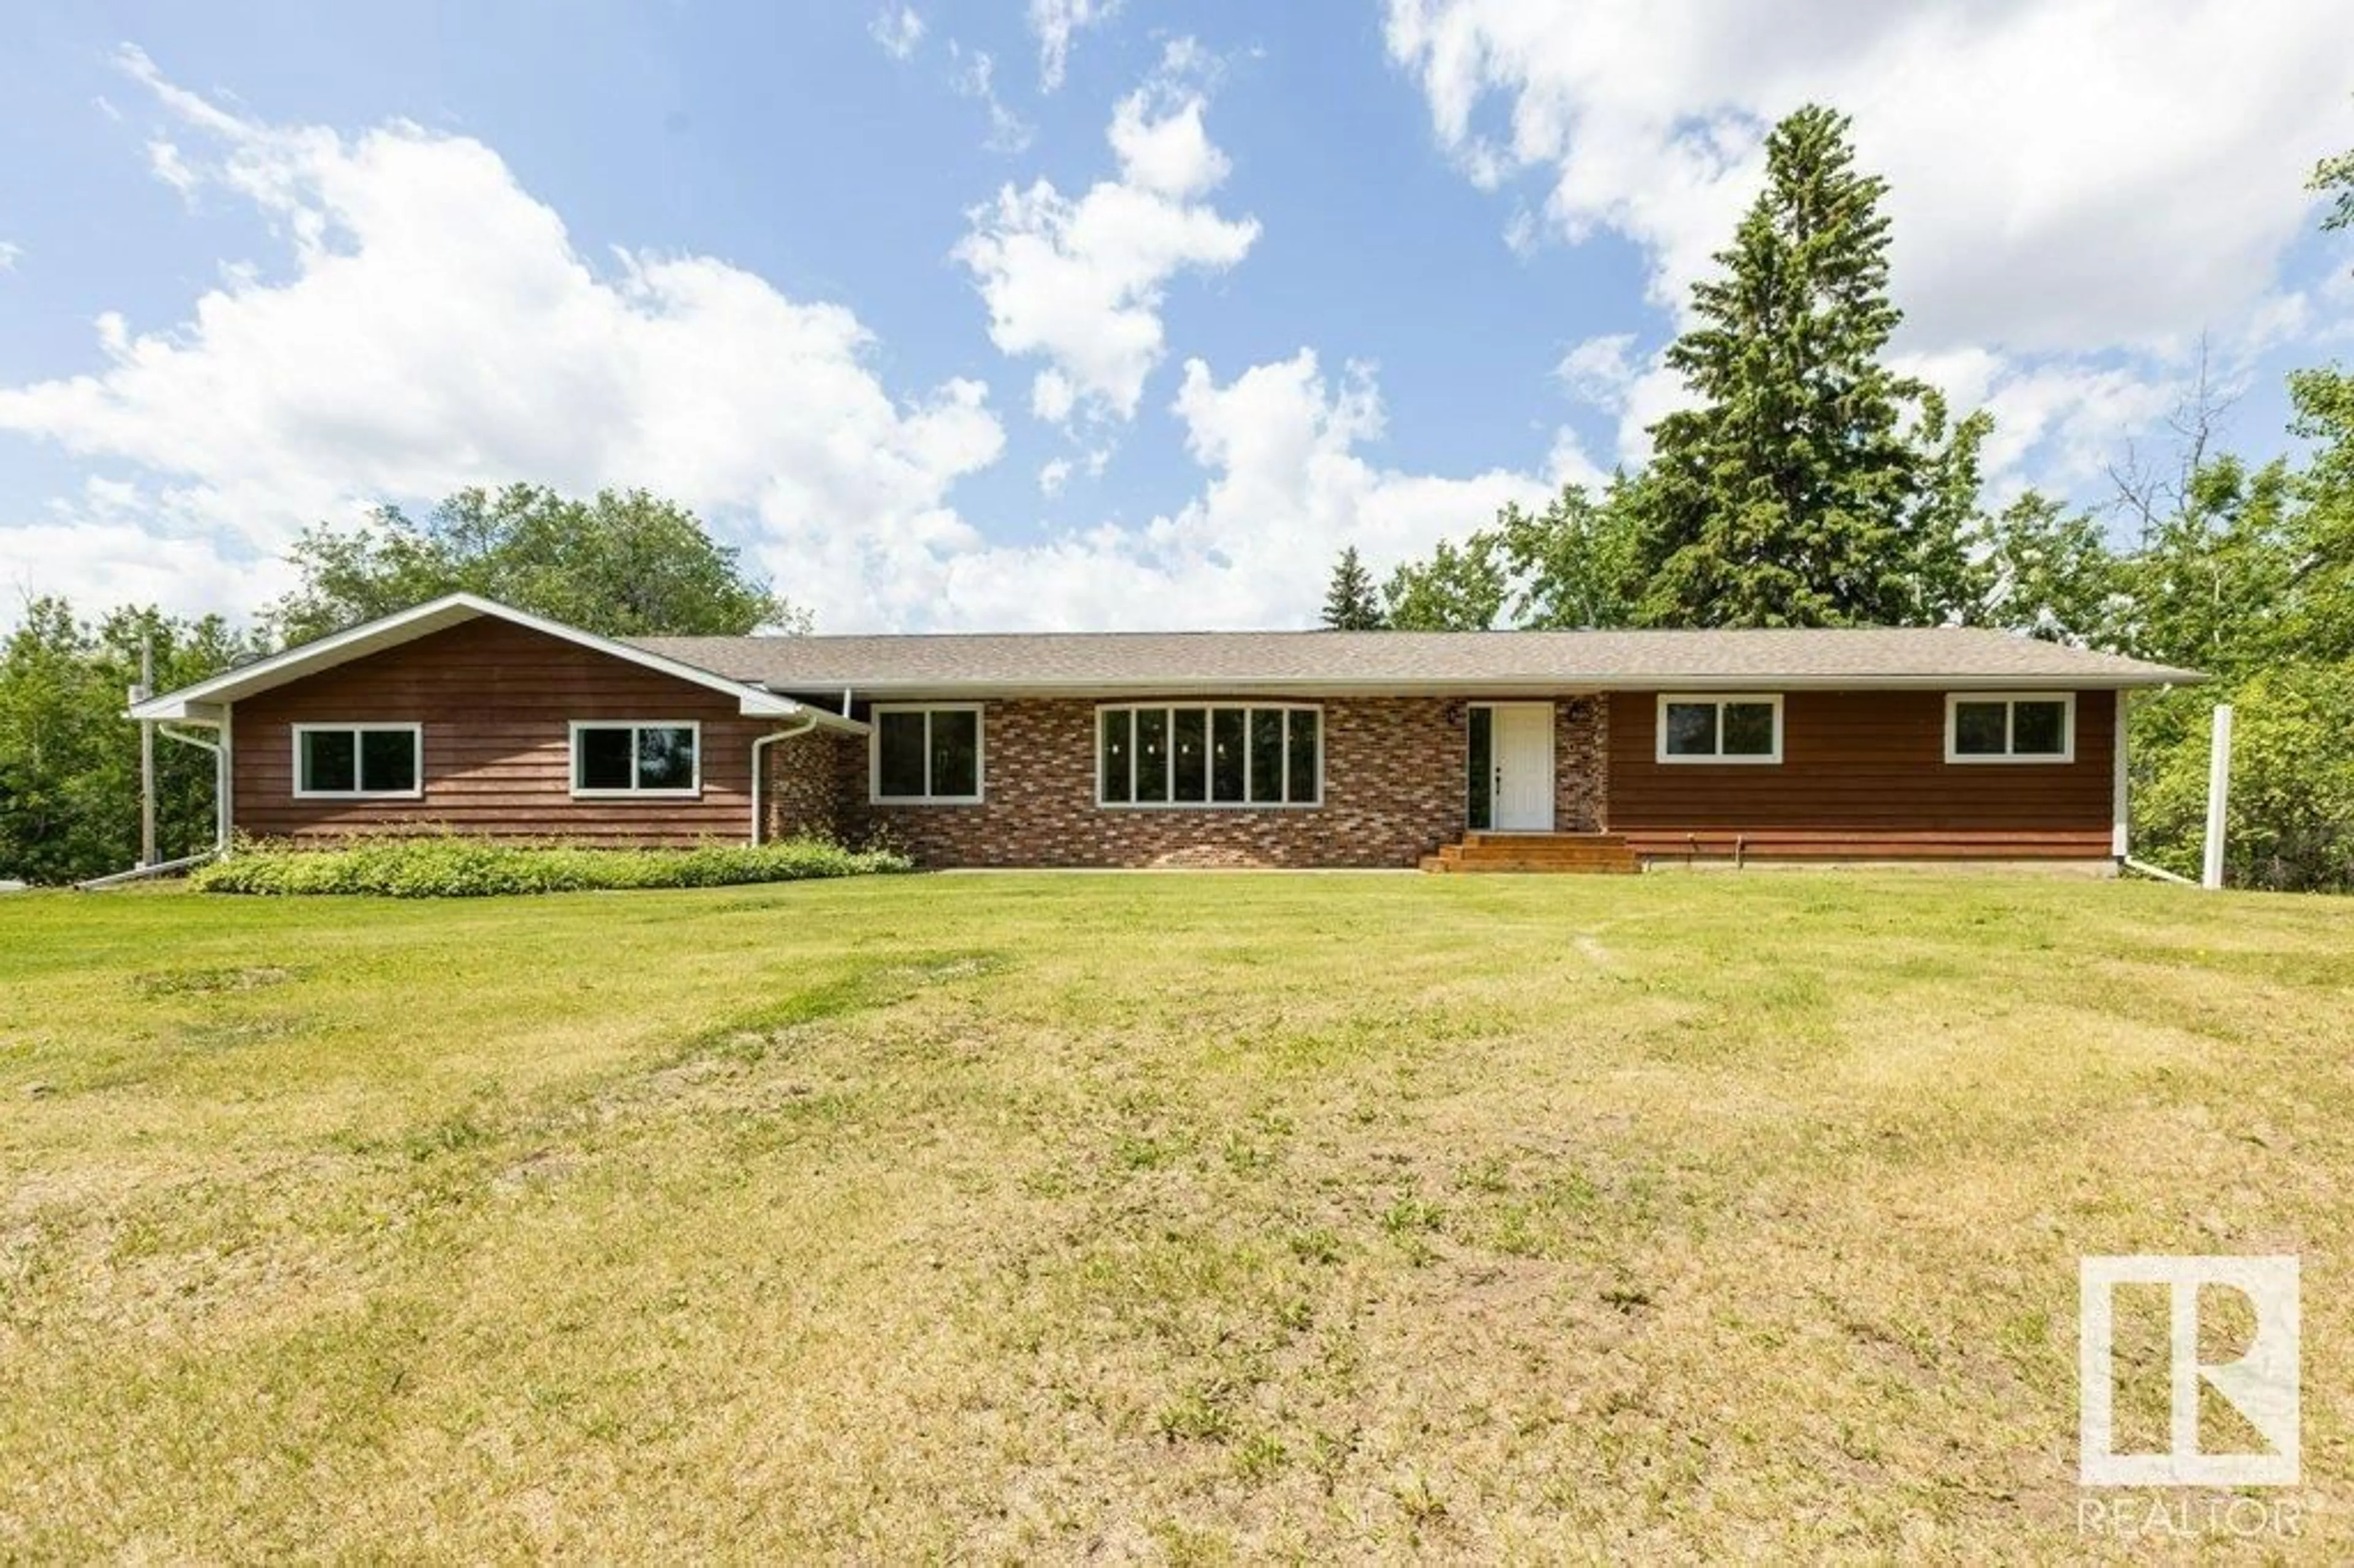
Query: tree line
[[1808, 484]]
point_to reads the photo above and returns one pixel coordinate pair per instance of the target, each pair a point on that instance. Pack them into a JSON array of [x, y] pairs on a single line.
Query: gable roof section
[[202, 701], [1111, 663]]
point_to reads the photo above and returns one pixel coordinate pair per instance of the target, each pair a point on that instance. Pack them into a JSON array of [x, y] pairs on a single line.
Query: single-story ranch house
[[1455, 750]]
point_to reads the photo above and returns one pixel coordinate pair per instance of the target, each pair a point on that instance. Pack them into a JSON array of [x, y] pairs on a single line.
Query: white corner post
[[140, 694], [2219, 796], [2120, 786]]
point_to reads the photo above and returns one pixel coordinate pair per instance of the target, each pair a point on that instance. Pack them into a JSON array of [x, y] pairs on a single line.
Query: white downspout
[[758, 746], [146, 868], [219, 748], [2121, 787]]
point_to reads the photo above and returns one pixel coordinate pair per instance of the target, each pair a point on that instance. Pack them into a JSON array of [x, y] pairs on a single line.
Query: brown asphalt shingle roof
[[1398, 660]]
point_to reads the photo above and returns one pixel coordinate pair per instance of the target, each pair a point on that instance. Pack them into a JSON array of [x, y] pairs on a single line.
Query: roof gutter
[[1475, 686]]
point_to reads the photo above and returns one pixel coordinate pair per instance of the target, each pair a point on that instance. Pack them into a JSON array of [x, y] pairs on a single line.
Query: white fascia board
[[170, 709], [439, 615], [1528, 687]]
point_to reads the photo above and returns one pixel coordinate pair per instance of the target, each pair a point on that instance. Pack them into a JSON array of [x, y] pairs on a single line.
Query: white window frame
[[2065, 755], [874, 795], [416, 745], [631, 791], [1095, 739], [1716, 758]]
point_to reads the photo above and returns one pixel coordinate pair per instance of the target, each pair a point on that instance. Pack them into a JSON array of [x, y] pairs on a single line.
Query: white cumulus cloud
[[1079, 282], [429, 325], [1289, 485], [438, 328], [2076, 190]]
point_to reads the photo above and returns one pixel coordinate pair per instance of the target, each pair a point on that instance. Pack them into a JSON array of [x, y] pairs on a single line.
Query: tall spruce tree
[[1349, 604], [1811, 486]]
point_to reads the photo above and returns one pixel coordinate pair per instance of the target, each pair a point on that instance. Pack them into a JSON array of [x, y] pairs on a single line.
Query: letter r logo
[[2260, 1385]]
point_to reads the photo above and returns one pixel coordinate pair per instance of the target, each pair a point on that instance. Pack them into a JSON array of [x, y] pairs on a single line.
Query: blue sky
[[1066, 313]]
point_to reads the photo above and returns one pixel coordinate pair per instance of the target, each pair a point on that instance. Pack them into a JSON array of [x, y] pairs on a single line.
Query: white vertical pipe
[[146, 689], [2120, 788], [2219, 796]]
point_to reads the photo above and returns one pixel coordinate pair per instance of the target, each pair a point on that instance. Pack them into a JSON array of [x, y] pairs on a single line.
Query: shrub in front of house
[[458, 867]]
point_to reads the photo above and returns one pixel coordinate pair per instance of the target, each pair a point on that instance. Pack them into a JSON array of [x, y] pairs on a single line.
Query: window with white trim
[[626, 757], [1209, 755], [925, 753], [2011, 726], [359, 761], [1743, 729]]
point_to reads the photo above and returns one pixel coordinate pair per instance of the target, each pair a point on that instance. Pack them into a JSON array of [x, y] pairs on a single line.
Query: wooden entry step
[[1592, 854]]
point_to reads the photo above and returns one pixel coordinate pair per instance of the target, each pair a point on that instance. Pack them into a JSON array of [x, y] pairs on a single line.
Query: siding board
[[496, 700], [1862, 774]]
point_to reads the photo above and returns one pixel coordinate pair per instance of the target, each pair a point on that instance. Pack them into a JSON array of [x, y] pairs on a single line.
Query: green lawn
[[1186, 1217]]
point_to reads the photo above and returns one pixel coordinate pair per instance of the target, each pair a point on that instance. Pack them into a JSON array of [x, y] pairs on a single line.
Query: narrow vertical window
[[1304, 769], [1227, 728], [1479, 757], [1151, 755], [1190, 752], [1266, 756], [1118, 786]]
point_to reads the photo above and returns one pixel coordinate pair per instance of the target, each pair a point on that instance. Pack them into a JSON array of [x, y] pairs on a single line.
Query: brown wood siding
[[1864, 775], [496, 702]]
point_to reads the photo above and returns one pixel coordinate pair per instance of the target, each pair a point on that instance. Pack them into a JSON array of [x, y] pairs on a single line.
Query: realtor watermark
[[2183, 1516], [2261, 1382], [2261, 1386]]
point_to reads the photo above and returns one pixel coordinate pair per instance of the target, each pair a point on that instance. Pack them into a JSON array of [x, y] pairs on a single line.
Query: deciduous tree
[[623, 563], [1457, 590]]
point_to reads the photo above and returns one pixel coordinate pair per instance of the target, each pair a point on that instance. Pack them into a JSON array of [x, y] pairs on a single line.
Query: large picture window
[[1721, 729], [359, 761], [2025, 726], [1209, 754], [637, 757], [925, 756]]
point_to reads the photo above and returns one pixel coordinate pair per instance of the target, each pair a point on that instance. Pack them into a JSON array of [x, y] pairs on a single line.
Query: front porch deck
[[1595, 855]]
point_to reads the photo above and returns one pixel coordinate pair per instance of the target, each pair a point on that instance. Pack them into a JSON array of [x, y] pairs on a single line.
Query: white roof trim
[[200, 702], [1475, 687]]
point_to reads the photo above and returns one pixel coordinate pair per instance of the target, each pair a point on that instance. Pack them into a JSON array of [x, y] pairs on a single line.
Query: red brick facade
[[1393, 791], [1581, 764]]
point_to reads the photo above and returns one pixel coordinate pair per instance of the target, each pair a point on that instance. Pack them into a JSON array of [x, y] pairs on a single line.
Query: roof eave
[[1954, 681], [389, 631], [171, 708]]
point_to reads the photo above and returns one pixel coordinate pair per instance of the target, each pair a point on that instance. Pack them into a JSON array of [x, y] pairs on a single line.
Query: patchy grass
[[1195, 1218]]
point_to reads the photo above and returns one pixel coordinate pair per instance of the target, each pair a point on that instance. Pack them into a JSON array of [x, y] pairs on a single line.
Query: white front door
[[1522, 738]]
